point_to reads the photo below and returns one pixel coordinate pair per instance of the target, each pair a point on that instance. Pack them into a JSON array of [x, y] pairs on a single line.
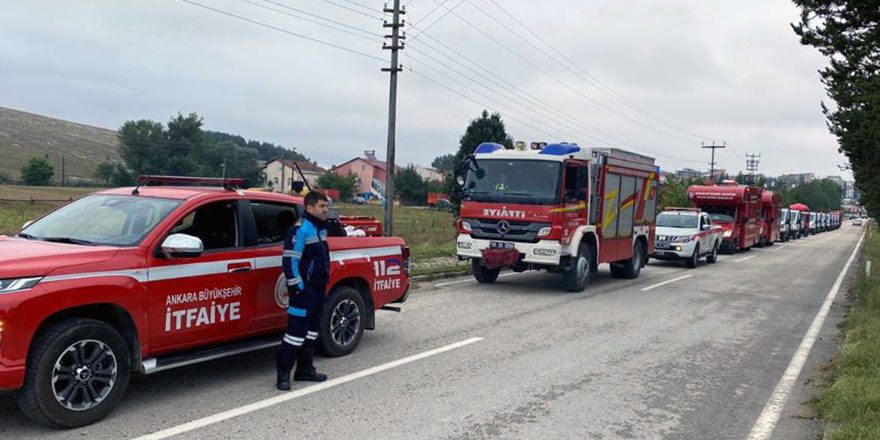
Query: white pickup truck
[[686, 234]]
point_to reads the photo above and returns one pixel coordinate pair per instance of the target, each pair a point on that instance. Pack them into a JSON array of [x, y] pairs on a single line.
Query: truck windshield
[[669, 220], [515, 181], [724, 214], [108, 220]]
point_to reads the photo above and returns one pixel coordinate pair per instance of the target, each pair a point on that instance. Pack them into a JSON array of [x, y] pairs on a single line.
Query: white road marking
[[262, 404], [665, 282], [779, 246], [766, 422], [470, 280], [744, 259]]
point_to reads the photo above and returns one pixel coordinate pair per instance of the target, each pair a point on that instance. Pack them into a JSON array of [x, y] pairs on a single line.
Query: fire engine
[[559, 207], [161, 276], [806, 218], [770, 213], [735, 208]]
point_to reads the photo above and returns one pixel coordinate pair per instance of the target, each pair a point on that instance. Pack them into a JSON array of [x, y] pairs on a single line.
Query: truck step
[[190, 357]]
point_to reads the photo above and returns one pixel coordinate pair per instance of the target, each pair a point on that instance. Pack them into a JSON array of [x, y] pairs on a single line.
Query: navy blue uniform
[[306, 264]]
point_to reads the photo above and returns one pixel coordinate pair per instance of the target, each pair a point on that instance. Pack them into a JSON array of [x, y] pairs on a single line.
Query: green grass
[[14, 215], [852, 401], [429, 233]]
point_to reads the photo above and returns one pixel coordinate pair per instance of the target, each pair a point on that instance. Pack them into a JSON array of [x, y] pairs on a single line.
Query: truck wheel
[[483, 274], [578, 274], [342, 322], [77, 371], [694, 260], [633, 267], [713, 257]]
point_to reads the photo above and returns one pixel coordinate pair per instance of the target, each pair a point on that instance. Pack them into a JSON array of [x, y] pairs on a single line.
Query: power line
[[350, 9], [596, 82], [313, 21], [278, 29], [435, 21], [564, 84], [369, 8]]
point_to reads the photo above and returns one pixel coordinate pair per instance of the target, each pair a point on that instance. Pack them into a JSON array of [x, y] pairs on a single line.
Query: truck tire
[[483, 274], [77, 371], [578, 274], [633, 267], [342, 322], [694, 260], [712, 258]]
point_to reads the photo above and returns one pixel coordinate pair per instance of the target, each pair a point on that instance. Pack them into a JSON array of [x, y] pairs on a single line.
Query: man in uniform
[[306, 264]]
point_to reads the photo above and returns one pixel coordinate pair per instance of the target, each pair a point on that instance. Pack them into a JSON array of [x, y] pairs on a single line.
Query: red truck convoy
[[736, 209], [805, 215], [560, 207], [771, 209], [141, 280]]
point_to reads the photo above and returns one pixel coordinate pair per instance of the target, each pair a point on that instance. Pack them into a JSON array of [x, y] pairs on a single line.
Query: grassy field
[[429, 233], [852, 401], [26, 135]]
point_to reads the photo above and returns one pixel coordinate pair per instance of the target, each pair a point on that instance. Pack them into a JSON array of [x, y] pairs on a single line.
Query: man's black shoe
[[311, 376], [283, 384]]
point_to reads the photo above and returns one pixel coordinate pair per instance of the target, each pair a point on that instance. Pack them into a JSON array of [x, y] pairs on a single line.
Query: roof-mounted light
[[488, 147], [560, 149]]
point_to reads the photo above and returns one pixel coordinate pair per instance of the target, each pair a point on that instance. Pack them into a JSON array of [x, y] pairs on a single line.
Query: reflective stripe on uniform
[[312, 336], [312, 240], [294, 282], [292, 340], [296, 312]]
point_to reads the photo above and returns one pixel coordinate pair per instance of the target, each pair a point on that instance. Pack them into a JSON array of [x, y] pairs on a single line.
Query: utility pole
[[63, 174], [393, 69], [283, 154], [712, 164], [752, 161]]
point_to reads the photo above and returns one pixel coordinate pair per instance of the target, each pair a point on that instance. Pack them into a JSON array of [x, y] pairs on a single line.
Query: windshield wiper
[[26, 236], [531, 199], [69, 240]]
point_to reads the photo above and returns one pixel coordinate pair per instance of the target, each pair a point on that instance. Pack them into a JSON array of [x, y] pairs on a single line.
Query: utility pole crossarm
[[712, 164]]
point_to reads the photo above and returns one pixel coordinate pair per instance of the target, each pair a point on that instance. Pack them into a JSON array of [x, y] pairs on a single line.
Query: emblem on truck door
[[503, 227]]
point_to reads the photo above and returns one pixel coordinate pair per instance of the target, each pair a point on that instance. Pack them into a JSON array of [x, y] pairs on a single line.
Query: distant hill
[[25, 135]]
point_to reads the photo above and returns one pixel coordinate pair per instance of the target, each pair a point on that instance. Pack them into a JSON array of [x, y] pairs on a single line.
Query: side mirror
[[707, 227], [26, 224], [182, 246], [297, 186], [459, 180]]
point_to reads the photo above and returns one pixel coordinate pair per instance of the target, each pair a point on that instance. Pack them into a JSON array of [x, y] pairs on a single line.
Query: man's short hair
[[313, 197]]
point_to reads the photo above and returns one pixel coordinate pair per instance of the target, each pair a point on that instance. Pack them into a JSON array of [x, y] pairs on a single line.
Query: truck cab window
[[215, 224], [272, 221], [575, 183]]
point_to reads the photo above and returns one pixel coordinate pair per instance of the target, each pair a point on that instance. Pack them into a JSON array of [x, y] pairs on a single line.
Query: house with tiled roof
[[370, 172], [280, 174]]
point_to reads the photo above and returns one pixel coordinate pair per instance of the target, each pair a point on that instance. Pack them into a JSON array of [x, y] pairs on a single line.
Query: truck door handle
[[239, 268]]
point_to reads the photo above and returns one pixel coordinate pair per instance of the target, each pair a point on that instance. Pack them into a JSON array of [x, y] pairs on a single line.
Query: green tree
[[122, 177], [411, 187], [37, 172], [185, 150], [445, 162], [819, 195], [240, 161], [486, 128], [848, 33], [673, 191], [347, 185], [142, 145], [105, 172]]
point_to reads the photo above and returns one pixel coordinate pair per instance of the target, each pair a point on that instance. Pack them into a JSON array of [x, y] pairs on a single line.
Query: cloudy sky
[[671, 74]]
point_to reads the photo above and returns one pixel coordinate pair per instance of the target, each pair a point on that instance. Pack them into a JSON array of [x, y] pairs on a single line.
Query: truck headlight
[[466, 226], [727, 234], [545, 231], [681, 239], [10, 285]]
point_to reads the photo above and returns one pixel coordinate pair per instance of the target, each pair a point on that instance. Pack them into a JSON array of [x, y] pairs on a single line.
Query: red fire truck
[[157, 277], [806, 220], [770, 209], [560, 207], [736, 209]]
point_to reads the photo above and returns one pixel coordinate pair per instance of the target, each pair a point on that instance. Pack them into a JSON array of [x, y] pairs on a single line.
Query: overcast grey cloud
[[726, 70]]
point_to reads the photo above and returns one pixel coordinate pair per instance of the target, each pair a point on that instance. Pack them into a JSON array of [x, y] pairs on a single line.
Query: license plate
[[500, 245], [660, 245]]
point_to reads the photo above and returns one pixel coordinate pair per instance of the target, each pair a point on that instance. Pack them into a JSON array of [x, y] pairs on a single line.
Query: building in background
[[688, 173], [370, 173], [431, 174], [797, 179], [279, 175]]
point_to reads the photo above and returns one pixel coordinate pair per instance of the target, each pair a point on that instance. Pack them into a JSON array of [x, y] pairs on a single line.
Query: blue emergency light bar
[[560, 149], [488, 147]]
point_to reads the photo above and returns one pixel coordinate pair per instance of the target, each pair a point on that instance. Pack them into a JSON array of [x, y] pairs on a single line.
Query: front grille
[[519, 230]]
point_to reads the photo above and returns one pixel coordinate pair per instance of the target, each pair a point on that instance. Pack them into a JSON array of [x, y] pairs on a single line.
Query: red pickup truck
[[140, 280]]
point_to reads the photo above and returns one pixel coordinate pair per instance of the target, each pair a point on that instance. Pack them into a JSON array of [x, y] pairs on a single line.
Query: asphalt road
[[696, 358]]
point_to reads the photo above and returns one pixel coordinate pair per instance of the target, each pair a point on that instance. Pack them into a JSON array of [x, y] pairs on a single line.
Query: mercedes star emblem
[[503, 227]]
